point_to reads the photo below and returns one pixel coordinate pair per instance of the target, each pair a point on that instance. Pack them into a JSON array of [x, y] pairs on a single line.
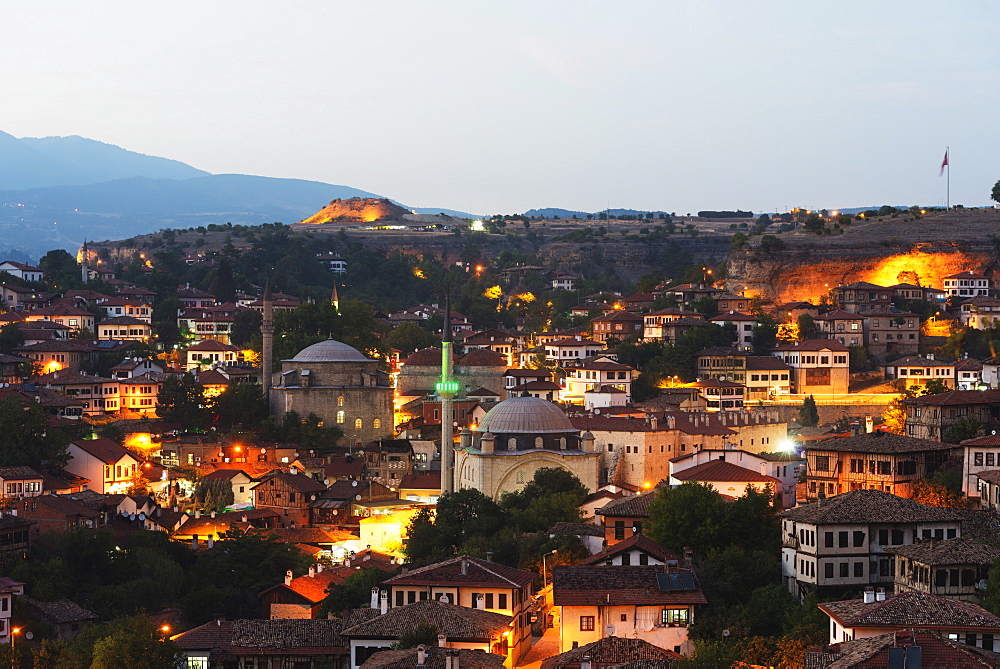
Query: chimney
[[288, 577], [688, 558], [585, 663], [210, 541], [652, 423], [489, 556], [442, 641], [421, 655], [312, 571], [464, 565], [213, 513], [880, 595], [197, 513], [383, 601], [930, 356], [374, 601], [319, 567], [194, 541], [479, 602], [869, 595], [869, 424]]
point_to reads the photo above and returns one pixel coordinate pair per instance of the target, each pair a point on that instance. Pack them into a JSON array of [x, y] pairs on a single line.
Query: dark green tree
[[240, 404], [136, 643], [807, 327], [61, 269], [995, 193], [764, 334], [355, 592], [214, 495], [690, 515], [220, 281], [808, 413], [409, 337], [26, 437], [182, 400], [11, 337], [246, 326], [934, 387]]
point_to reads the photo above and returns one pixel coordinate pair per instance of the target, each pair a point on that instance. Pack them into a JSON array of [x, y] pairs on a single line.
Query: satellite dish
[[357, 498], [142, 516], [326, 482], [263, 450], [982, 584], [354, 484], [444, 599], [597, 411], [609, 630], [314, 498], [296, 454], [725, 632], [131, 516], [29, 636]]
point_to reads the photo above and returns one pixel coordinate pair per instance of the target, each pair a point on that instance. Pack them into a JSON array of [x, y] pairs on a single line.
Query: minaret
[[335, 300], [267, 334], [447, 389], [84, 269]]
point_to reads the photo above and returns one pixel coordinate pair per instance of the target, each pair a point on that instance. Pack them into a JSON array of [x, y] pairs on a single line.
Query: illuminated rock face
[[909, 248], [810, 275], [357, 210]]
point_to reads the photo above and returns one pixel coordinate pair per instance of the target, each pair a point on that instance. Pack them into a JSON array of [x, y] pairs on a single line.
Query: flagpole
[[947, 153]]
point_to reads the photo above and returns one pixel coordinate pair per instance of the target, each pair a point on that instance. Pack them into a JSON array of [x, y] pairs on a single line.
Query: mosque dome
[[525, 415], [330, 351]]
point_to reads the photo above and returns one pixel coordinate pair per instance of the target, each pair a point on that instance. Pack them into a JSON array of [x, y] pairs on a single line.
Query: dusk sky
[[503, 106]]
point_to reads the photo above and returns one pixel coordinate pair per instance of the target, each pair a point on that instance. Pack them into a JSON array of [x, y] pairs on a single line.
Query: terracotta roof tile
[[591, 585], [478, 572], [636, 506], [611, 650], [881, 442], [636, 541], [949, 551], [722, 471], [869, 506], [911, 610], [458, 623]]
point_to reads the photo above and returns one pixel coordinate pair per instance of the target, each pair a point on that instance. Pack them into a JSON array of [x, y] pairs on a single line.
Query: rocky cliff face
[[885, 251]]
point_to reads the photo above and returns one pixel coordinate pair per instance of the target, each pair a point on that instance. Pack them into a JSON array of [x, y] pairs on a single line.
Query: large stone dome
[[525, 415], [330, 351]]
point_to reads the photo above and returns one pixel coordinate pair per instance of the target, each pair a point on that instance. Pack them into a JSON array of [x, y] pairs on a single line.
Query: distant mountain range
[[57, 191]]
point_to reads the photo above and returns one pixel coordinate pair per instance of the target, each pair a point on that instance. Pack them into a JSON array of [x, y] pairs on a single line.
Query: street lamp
[[545, 582], [14, 631]]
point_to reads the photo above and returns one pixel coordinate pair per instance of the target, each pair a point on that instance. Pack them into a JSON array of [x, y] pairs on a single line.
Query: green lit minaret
[[447, 389]]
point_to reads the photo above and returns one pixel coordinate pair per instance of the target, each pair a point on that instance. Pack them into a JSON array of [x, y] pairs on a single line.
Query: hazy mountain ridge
[[38, 162]]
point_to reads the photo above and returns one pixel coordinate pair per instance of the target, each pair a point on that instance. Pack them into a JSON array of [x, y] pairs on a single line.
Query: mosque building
[[339, 384], [516, 438]]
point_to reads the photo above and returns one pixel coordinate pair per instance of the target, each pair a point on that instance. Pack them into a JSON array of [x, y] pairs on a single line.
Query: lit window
[[377, 423], [357, 423], [340, 416]]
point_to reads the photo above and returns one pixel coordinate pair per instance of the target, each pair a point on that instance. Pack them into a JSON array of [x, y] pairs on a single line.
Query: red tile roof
[[722, 471], [633, 585], [478, 573]]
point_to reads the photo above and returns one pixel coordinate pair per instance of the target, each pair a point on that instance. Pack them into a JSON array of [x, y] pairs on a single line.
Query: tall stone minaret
[[267, 335], [84, 263], [447, 389], [335, 300]]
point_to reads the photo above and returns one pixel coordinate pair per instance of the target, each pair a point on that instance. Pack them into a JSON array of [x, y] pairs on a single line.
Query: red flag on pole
[[944, 163]]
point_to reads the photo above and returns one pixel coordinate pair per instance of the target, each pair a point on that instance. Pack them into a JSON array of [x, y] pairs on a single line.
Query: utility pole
[[267, 335]]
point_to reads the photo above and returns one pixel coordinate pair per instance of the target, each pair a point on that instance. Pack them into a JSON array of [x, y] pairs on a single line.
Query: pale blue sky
[[503, 106]]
